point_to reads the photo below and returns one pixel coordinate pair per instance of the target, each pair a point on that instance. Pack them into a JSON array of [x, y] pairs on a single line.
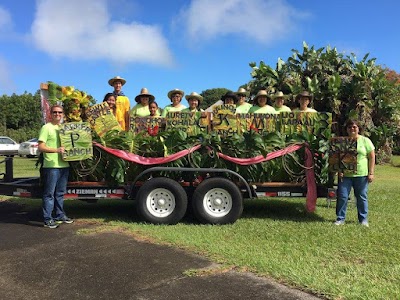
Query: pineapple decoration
[[73, 100]]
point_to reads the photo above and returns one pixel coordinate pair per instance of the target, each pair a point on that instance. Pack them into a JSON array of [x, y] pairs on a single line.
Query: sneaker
[[364, 223], [65, 220], [339, 222], [50, 224]]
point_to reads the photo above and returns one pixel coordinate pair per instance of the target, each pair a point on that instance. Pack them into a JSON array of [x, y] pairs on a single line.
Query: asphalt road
[[42, 263]]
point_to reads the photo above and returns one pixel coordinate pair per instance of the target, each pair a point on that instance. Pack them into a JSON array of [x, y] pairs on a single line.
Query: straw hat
[[242, 91], [304, 94], [144, 92], [116, 78], [261, 93], [279, 94], [230, 95], [195, 96], [175, 91]]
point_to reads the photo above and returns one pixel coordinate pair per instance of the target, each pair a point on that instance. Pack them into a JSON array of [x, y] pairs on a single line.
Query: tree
[[340, 84], [20, 117], [211, 96]]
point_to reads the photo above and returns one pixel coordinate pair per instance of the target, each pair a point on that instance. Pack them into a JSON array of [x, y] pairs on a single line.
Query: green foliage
[[20, 116], [341, 85], [211, 96]]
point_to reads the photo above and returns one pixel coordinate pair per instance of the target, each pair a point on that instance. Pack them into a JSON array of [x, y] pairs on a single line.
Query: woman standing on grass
[[358, 181]]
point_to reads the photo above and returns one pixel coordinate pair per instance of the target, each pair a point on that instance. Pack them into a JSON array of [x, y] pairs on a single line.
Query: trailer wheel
[[161, 201], [217, 201]]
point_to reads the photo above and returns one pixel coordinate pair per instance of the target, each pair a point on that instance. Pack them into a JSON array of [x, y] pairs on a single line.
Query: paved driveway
[[42, 263]]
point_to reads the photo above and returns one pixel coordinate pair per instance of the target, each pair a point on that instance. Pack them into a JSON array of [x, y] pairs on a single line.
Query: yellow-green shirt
[[170, 108], [50, 135], [283, 108], [139, 110], [243, 108], [267, 109]]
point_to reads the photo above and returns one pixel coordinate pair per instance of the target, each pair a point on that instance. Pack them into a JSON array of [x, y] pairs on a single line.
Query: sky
[[193, 45]]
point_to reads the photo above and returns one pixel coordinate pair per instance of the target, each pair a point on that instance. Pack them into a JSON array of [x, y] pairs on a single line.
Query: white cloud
[[6, 84], [5, 19], [84, 30], [265, 21]]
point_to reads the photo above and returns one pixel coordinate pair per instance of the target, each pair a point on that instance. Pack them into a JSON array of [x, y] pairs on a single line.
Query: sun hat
[[195, 96], [116, 78], [175, 91], [304, 94], [279, 94], [242, 91], [261, 93], [230, 95], [144, 92]]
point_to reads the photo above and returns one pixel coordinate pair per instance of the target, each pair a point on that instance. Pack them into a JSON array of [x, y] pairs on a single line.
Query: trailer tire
[[161, 200], [217, 201]]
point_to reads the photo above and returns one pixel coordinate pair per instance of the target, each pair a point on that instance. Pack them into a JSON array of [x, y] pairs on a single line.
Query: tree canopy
[[20, 116], [340, 84]]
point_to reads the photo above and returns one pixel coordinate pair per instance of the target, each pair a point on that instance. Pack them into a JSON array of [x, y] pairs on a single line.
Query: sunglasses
[[57, 112]]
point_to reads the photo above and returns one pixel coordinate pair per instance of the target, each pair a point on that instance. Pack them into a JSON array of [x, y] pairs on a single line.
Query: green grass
[[23, 167], [278, 239]]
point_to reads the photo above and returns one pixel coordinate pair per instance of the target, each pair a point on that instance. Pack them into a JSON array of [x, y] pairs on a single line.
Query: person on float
[[122, 102], [194, 100], [143, 100], [175, 96], [260, 105], [230, 98], [110, 99], [304, 99], [242, 105], [154, 109], [360, 180], [279, 99]]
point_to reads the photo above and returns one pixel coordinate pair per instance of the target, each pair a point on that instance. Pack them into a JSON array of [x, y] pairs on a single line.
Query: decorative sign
[[192, 123], [152, 125], [264, 122], [224, 120], [297, 122], [76, 138], [101, 119], [343, 155]]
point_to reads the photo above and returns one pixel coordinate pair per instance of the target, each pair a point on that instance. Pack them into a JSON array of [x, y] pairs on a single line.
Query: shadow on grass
[[28, 211]]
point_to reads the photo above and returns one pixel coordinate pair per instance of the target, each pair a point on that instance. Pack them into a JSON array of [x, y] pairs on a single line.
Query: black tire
[[161, 200], [217, 201]]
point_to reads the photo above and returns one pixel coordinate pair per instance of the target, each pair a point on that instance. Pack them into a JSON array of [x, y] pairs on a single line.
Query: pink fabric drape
[[146, 160], [310, 175]]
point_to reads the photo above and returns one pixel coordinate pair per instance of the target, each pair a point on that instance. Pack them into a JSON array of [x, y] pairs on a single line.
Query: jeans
[[54, 187], [360, 185]]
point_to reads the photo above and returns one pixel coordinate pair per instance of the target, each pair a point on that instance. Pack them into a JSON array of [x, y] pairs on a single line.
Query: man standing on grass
[[55, 170]]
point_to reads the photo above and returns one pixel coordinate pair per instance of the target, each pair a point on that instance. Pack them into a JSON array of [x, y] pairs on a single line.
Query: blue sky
[[191, 45]]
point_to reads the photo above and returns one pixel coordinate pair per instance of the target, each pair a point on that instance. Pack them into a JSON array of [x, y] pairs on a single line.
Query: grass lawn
[[278, 239]]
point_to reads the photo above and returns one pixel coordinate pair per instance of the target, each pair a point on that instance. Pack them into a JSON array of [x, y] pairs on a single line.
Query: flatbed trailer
[[216, 199]]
